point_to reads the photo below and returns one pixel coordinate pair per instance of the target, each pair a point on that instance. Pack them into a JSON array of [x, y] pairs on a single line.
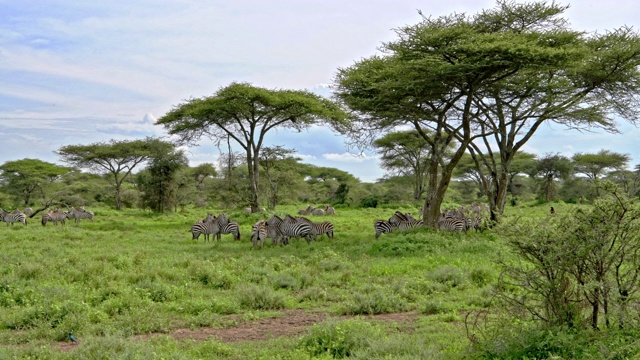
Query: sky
[[76, 72]]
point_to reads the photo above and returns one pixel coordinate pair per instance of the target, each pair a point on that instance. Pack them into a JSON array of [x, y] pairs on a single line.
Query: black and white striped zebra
[[321, 228], [28, 211], [410, 224], [450, 223], [384, 227], [210, 226], [54, 216], [292, 227], [13, 217], [275, 233], [398, 216], [329, 210], [79, 213], [230, 228], [259, 233]]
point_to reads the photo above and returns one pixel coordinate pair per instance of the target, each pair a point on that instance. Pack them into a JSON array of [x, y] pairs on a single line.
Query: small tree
[[594, 166], [117, 159], [561, 268], [27, 179], [159, 183], [549, 169]]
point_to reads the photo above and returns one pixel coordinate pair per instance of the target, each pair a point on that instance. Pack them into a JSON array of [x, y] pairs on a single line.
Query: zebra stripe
[[15, 216], [383, 227], [408, 225], [319, 229], [398, 216], [211, 226], [79, 213], [291, 227], [452, 224], [277, 236], [54, 216], [259, 233], [329, 210], [230, 228]]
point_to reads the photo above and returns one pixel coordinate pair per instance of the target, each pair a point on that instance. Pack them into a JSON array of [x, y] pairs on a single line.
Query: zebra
[[79, 213], [259, 233], [28, 211], [11, 217], [410, 224], [384, 227], [317, 212], [398, 216], [306, 211], [321, 228], [211, 226], [449, 223], [275, 233], [329, 210], [54, 216], [291, 227], [230, 228]]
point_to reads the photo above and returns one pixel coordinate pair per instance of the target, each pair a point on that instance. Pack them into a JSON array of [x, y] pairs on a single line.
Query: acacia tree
[[159, 183], [431, 79], [574, 79], [550, 168], [115, 158], [597, 165], [405, 153], [28, 178], [245, 114]]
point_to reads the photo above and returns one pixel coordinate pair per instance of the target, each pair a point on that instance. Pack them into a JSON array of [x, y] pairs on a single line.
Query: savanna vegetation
[[449, 106]]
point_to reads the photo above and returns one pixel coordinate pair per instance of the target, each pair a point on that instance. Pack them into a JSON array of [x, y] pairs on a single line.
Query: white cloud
[[349, 157]]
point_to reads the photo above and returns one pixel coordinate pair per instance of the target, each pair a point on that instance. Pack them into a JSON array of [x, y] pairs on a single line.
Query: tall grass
[[132, 273]]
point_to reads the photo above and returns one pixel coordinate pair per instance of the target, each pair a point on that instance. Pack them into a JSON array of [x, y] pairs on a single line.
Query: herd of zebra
[[54, 216], [280, 230], [450, 220], [310, 210]]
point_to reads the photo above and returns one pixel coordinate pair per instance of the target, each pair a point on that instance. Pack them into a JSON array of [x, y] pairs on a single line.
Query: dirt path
[[288, 323]]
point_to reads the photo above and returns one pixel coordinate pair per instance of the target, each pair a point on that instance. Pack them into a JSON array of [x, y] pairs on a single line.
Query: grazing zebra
[[306, 211], [211, 226], [410, 224], [320, 229], [230, 228], [398, 216], [317, 212], [384, 227], [329, 210], [275, 233], [259, 233], [449, 223], [12, 217], [54, 216], [291, 227], [79, 213], [476, 222]]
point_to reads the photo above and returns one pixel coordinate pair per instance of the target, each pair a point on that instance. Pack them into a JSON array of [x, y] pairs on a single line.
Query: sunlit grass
[[134, 273]]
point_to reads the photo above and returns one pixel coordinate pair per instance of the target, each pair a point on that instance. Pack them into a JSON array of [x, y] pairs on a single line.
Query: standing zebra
[[408, 225], [450, 223], [291, 227], [275, 233], [329, 210], [211, 226], [259, 233], [317, 212], [398, 216], [230, 228], [28, 211], [319, 229], [11, 217], [79, 213], [384, 227], [54, 216], [306, 211]]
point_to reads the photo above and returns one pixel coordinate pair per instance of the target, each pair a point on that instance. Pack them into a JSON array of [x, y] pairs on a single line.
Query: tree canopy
[[245, 114]]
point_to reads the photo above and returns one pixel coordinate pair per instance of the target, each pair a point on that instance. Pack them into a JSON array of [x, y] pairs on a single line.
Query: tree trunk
[[252, 161]]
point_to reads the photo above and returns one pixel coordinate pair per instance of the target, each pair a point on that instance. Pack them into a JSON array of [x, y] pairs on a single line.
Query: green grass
[[133, 273]]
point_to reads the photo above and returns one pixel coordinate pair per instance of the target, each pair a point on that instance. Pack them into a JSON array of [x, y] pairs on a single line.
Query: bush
[[257, 297], [339, 339]]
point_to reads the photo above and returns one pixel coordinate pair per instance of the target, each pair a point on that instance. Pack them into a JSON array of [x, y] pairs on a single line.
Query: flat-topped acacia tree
[[246, 113]]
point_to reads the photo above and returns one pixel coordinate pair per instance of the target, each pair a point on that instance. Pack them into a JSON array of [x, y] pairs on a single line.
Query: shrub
[[338, 339], [258, 297]]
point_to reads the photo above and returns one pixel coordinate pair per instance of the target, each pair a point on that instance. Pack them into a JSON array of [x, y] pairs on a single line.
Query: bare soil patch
[[288, 323]]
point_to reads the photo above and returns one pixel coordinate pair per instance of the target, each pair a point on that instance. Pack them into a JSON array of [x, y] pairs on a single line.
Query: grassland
[[128, 284]]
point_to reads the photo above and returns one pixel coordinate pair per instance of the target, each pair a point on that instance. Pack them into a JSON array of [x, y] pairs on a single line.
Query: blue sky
[[78, 72]]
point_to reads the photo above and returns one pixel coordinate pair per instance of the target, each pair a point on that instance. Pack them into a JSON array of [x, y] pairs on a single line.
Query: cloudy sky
[[78, 72]]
